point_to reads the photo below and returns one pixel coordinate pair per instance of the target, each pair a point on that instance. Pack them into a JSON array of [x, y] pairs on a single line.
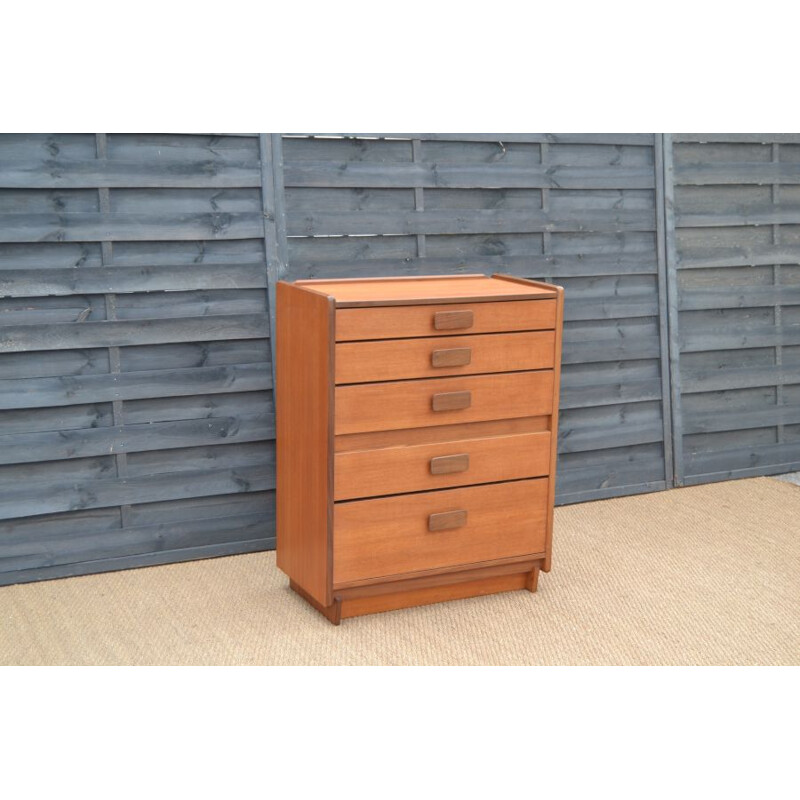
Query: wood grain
[[402, 322], [439, 433], [426, 288], [407, 404], [388, 536], [304, 372], [407, 598], [393, 470], [396, 359]]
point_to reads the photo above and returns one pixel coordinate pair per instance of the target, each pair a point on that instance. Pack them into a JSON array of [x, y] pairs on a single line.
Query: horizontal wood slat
[[58, 173], [47, 498], [117, 227], [100, 280], [472, 176], [135, 366], [452, 222], [534, 138], [74, 389], [18, 338]]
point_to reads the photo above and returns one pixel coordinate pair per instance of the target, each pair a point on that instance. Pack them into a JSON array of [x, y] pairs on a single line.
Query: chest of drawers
[[416, 438]]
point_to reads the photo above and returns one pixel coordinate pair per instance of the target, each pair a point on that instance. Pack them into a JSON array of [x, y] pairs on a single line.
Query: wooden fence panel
[[735, 264], [137, 273], [136, 417], [582, 210]]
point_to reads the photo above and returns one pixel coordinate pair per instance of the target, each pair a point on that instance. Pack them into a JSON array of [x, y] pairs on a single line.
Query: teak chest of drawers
[[416, 438]]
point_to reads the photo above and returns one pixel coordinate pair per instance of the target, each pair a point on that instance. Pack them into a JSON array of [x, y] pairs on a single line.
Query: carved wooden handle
[[452, 320], [452, 357], [447, 520], [451, 401], [444, 465]]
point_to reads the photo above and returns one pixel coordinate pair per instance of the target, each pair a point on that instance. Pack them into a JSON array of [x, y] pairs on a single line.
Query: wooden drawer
[[393, 470], [394, 359], [394, 535], [442, 401], [402, 322]]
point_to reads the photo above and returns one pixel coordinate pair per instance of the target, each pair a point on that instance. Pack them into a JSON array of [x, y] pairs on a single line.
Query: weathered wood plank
[[591, 395], [40, 498], [712, 338], [611, 308], [715, 380], [738, 297], [465, 221], [120, 280], [51, 527], [740, 138], [467, 176], [24, 448], [93, 388], [643, 139], [597, 438], [519, 265], [115, 227], [16, 338], [93, 173], [761, 459], [135, 540], [767, 255], [737, 420], [130, 562], [767, 215], [726, 173]]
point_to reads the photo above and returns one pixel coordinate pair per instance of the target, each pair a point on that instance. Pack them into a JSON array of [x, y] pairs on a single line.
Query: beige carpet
[[702, 575]]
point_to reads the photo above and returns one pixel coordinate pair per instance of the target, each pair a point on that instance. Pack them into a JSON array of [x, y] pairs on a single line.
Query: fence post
[[274, 209], [672, 310], [663, 311]]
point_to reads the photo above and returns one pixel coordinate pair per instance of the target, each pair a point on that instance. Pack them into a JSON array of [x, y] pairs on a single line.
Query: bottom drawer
[[428, 530]]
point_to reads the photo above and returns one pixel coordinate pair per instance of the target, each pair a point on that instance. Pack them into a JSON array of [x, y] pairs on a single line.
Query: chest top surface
[[428, 289]]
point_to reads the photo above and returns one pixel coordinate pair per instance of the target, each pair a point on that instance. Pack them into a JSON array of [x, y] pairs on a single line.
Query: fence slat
[[466, 176], [17, 338], [115, 227], [58, 173]]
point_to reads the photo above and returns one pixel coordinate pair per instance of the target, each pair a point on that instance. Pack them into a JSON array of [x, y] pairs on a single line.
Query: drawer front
[[394, 359], [396, 535], [400, 322], [442, 401], [394, 470]]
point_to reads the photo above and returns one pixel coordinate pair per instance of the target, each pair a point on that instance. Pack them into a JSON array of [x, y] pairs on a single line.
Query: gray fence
[[135, 375], [735, 269], [135, 270]]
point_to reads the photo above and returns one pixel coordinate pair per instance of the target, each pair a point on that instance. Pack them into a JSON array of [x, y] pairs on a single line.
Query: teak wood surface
[[390, 535], [412, 468], [417, 423], [304, 456], [404, 322], [410, 404], [397, 359]]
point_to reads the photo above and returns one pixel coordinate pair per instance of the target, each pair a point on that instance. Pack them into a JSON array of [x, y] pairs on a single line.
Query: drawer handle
[[444, 465], [452, 320], [451, 401], [452, 357], [447, 521]]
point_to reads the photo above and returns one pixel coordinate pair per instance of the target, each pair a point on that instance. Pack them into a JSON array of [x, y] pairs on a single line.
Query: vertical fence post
[[274, 209], [672, 310], [663, 311]]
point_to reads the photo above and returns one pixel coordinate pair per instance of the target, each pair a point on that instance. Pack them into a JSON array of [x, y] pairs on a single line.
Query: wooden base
[[392, 595]]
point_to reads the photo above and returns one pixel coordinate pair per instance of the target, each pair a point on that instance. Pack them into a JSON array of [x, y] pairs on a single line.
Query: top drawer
[[402, 322]]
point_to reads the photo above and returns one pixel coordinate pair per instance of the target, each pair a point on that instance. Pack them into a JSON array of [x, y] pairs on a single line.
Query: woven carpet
[[700, 575]]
